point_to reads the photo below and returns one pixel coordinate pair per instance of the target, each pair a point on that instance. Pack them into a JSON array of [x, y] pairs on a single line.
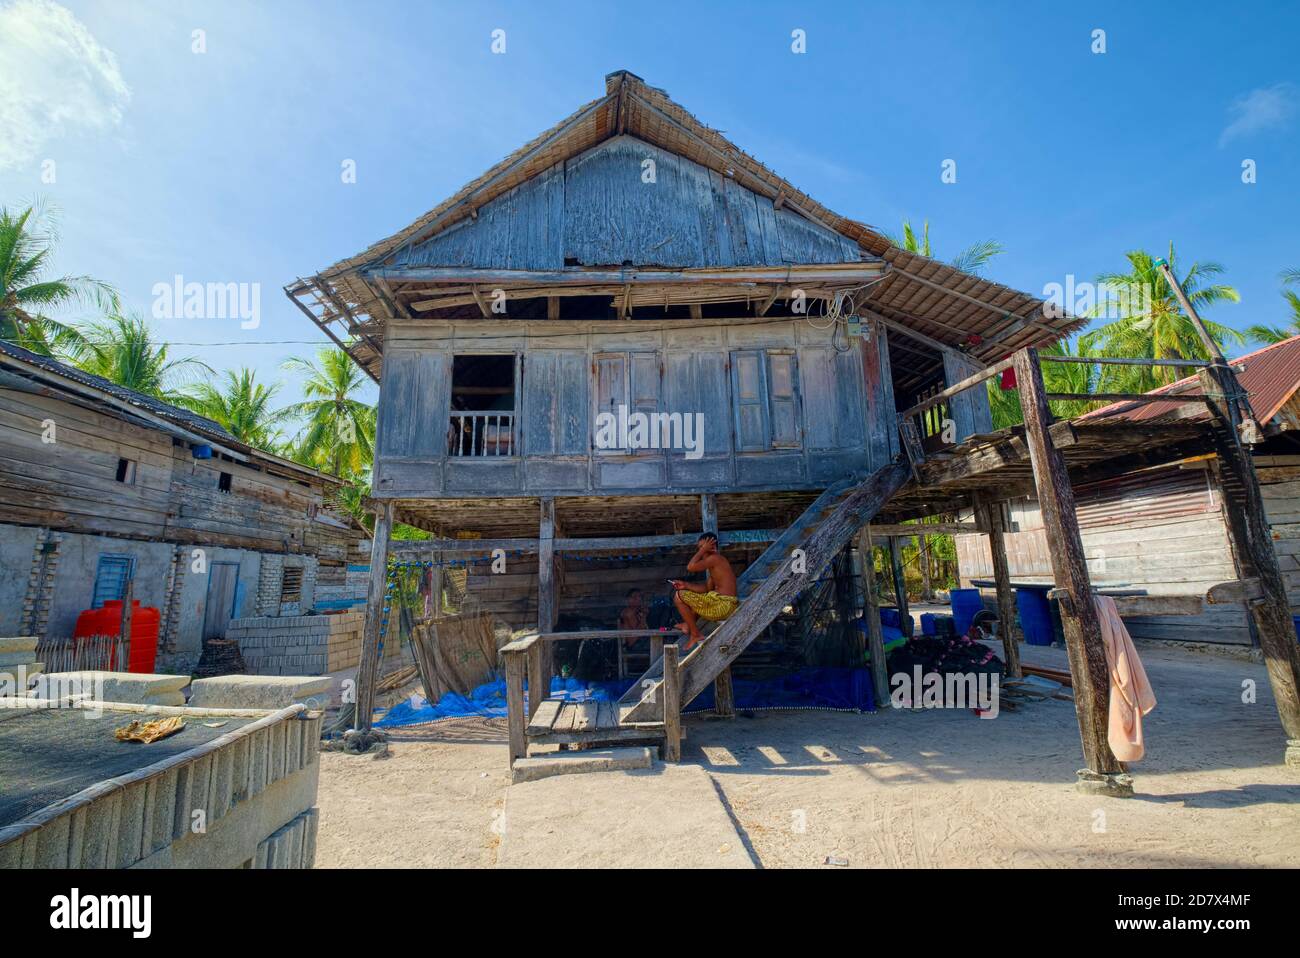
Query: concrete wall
[[75, 581], [171, 578], [191, 598], [16, 546]]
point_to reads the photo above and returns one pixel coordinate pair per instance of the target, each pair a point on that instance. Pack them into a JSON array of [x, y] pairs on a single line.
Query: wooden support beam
[[988, 372], [1123, 397], [516, 722], [548, 603], [993, 518], [1082, 627], [672, 696], [871, 612], [376, 595], [1253, 546], [915, 334], [482, 304], [724, 695], [900, 585], [709, 513], [847, 273]]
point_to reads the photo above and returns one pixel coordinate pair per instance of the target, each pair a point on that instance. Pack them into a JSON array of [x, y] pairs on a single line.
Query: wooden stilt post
[[546, 591], [724, 700], [376, 595], [991, 518], [724, 695], [1253, 545], [1229, 408], [900, 585], [923, 563], [539, 677], [871, 612], [1104, 774], [709, 513], [672, 694]]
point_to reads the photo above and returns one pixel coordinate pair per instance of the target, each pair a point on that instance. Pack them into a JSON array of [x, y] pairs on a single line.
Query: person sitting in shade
[[714, 599], [633, 615]]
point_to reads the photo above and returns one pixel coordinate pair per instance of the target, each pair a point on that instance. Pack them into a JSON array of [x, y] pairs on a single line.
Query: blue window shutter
[[111, 574]]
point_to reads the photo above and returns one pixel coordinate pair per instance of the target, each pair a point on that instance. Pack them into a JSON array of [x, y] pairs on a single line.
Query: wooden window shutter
[[749, 392], [782, 399]]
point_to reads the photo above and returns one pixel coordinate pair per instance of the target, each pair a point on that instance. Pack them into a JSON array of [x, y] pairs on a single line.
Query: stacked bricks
[[40, 582], [269, 578], [301, 644], [171, 613]]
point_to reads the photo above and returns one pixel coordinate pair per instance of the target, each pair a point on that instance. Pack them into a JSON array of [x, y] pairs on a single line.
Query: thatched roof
[[351, 299]]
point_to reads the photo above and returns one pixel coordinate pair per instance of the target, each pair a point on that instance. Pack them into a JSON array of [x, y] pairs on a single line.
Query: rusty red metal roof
[[1270, 376]]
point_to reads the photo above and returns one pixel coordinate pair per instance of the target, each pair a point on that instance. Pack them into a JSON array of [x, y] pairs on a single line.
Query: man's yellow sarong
[[710, 605]]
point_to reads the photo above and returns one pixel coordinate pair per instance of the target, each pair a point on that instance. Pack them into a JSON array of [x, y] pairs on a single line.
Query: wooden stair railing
[[832, 527]]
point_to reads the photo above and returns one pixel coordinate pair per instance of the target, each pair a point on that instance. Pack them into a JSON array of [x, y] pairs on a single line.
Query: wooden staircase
[[651, 709], [767, 586]]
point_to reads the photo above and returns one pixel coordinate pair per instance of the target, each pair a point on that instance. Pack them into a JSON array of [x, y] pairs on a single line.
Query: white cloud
[[1261, 109], [55, 79]]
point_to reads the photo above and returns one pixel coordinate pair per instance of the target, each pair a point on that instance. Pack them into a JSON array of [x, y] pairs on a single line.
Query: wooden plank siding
[[628, 201], [1162, 530], [71, 484], [785, 406]]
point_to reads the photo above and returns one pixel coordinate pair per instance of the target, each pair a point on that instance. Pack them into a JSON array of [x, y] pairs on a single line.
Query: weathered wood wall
[[71, 484], [1164, 531], [626, 201], [785, 406]]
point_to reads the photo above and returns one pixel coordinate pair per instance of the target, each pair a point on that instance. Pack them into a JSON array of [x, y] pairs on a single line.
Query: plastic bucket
[[1035, 616], [965, 604]]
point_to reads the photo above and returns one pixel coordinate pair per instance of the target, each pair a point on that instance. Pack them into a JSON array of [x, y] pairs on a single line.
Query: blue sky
[[224, 166]]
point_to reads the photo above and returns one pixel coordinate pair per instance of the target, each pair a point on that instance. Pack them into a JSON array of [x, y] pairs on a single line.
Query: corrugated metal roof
[[1271, 377], [175, 414]]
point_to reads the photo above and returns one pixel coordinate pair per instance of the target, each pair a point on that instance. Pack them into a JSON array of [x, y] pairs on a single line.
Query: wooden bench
[[541, 720]]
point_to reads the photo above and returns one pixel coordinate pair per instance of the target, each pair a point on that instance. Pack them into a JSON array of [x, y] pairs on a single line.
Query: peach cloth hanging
[[1131, 696]]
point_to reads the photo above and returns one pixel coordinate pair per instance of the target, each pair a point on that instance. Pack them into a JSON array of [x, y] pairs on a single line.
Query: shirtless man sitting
[[714, 600], [633, 616]]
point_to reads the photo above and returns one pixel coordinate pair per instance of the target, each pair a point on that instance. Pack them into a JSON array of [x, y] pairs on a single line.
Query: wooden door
[[223, 580]]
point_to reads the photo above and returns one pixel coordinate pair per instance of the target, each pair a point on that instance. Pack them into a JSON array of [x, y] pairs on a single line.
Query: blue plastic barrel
[[965, 604], [1035, 616], [927, 623]]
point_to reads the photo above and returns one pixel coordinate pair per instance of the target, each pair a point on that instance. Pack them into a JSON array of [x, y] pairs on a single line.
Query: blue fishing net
[[843, 689]]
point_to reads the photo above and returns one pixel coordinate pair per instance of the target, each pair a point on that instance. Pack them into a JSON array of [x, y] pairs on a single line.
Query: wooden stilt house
[[632, 262]]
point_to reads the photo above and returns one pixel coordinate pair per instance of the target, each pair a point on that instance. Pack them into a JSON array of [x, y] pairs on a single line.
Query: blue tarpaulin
[[844, 689]]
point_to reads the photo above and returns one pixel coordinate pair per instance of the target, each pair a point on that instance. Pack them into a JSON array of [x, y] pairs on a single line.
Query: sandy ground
[[938, 788]]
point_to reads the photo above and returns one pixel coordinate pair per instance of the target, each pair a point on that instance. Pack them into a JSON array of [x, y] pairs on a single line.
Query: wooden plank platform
[[557, 722]]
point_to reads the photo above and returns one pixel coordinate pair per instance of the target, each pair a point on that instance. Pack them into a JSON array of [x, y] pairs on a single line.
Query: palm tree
[[1152, 323], [26, 291], [339, 435], [121, 349], [1275, 334], [970, 260], [241, 405]]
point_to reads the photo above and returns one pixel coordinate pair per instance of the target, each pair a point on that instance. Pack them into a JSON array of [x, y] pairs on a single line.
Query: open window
[[484, 391]]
